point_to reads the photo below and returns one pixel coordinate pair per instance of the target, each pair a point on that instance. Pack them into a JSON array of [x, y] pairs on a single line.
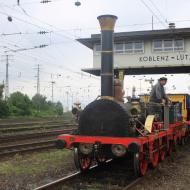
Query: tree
[[59, 108], [39, 102], [1, 91], [4, 109], [19, 104]]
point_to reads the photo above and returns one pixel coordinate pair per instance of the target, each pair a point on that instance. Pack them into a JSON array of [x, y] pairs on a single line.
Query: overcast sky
[[63, 58]]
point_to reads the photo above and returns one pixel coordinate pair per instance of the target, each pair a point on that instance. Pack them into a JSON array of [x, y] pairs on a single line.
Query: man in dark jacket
[[158, 98], [158, 94]]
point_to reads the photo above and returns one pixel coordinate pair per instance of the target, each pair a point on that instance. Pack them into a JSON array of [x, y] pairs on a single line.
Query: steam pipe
[[107, 24]]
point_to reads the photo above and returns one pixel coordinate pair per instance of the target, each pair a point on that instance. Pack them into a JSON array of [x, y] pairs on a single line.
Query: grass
[[66, 115], [36, 163]]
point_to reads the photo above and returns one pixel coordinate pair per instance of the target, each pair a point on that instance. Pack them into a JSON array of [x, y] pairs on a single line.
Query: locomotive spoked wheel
[[101, 158], [140, 164], [162, 154], [82, 162], [155, 157]]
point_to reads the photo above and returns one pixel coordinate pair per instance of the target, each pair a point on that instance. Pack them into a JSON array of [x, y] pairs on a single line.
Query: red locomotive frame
[[152, 147]]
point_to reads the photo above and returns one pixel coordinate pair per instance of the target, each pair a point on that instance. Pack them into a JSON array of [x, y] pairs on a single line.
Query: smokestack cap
[[107, 22]]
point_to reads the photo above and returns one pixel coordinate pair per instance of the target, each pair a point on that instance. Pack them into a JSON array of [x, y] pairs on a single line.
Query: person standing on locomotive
[[158, 94], [158, 98]]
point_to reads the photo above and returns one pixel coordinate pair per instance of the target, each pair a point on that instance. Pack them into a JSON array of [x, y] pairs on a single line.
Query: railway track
[[98, 178], [32, 128], [29, 123], [26, 147], [12, 144], [15, 137], [74, 175]]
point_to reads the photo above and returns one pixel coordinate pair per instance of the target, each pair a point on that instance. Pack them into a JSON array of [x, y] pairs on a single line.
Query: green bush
[[4, 109], [59, 108], [19, 104], [42, 107]]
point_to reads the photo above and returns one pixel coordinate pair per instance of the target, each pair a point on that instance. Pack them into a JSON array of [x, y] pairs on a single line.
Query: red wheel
[[82, 161], [162, 154], [140, 164], [155, 157], [143, 165], [101, 159], [85, 162]]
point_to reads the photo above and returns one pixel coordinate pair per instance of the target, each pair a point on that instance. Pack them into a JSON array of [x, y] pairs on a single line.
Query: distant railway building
[[145, 52]]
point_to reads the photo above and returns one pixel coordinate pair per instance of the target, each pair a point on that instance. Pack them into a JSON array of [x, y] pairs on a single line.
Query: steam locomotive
[[110, 128]]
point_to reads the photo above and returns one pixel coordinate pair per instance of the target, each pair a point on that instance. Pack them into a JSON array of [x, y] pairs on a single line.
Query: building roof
[[138, 35], [143, 70]]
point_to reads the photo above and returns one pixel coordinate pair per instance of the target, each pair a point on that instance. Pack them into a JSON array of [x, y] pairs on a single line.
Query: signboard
[[151, 60], [165, 58]]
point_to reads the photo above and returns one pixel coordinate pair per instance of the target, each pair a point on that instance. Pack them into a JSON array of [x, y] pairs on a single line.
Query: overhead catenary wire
[[160, 13], [58, 30], [25, 49], [45, 81], [43, 22], [148, 7], [37, 2], [25, 33], [70, 71], [95, 28], [38, 26], [89, 28], [64, 67]]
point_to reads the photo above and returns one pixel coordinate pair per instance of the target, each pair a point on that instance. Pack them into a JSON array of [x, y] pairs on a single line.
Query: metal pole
[[52, 90], [67, 100], [152, 22], [7, 78], [72, 97], [38, 79]]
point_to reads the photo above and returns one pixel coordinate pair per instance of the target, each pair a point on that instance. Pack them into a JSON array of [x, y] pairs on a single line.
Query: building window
[[119, 48], [138, 47], [134, 47], [168, 45], [127, 47], [157, 45], [179, 45]]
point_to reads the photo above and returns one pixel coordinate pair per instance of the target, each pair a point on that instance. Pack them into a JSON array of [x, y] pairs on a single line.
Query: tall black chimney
[[107, 24]]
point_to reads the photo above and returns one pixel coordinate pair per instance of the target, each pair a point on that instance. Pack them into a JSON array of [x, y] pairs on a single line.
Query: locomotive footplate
[[72, 140]]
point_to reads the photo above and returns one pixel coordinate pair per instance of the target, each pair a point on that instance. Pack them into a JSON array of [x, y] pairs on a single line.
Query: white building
[[145, 52]]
